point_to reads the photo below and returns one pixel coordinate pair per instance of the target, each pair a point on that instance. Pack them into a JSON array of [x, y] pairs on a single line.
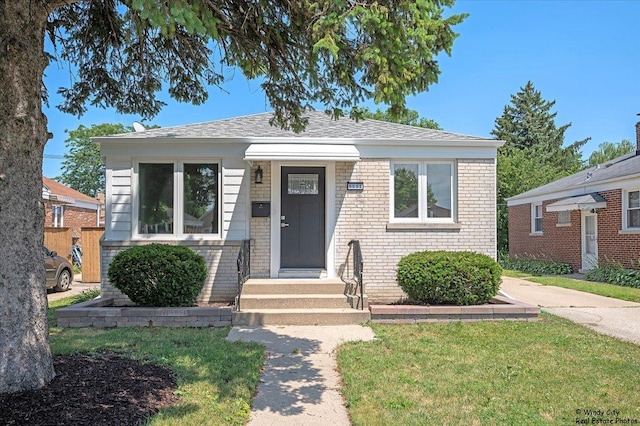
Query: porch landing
[[293, 301]]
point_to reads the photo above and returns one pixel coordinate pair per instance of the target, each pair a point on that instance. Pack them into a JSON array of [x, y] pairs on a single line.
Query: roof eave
[[489, 143], [525, 198]]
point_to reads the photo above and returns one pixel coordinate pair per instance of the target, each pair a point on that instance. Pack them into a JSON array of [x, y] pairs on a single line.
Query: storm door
[[589, 240]]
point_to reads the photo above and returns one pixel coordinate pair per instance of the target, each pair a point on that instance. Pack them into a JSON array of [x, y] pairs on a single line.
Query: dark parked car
[[58, 269]]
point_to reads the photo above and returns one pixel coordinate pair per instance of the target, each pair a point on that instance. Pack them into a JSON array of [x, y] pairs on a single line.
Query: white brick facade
[[365, 215], [261, 226]]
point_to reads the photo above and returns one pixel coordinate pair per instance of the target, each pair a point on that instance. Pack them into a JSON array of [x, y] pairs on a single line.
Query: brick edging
[[499, 308]]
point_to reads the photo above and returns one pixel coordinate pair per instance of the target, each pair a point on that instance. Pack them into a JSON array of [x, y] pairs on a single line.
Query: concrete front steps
[[294, 301]]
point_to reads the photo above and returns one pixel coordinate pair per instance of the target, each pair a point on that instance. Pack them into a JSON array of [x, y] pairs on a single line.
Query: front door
[[302, 220], [589, 240]]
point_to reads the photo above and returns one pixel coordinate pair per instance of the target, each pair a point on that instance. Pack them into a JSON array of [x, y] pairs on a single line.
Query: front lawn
[[545, 372], [216, 378]]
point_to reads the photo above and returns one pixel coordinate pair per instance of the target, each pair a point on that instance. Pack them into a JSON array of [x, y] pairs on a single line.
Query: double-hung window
[[536, 218], [564, 217], [631, 207], [57, 213], [177, 198], [422, 191]]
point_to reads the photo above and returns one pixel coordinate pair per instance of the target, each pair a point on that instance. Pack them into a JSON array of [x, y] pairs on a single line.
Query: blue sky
[[585, 55]]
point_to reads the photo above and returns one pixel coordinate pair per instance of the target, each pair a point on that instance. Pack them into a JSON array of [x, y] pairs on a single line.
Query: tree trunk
[[25, 356]]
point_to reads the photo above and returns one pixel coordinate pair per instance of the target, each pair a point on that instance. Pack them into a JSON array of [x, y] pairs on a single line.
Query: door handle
[[283, 225]]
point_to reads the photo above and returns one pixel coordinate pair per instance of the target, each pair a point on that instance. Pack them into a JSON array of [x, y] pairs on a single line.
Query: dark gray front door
[[302, 224]]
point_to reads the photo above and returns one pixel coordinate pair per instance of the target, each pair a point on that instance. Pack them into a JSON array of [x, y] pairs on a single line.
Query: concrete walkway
[[77, 287], [299, 384], [605, 315]]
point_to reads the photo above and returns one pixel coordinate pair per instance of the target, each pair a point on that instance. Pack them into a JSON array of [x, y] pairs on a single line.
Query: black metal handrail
[[244, 268], [354, 281]]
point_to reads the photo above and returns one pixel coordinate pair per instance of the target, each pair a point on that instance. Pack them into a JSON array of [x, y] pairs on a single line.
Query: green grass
[[515, 274], [66, 301], [603, 289], [516, 373], [216, 378]]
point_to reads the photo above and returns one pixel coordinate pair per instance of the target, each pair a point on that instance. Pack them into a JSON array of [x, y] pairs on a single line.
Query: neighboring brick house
[[66, 207], [589, 217], [299, 198]]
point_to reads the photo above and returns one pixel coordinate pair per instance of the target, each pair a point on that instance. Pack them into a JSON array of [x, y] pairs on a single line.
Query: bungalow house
[[589, 217], [66, 207], [299, 198]]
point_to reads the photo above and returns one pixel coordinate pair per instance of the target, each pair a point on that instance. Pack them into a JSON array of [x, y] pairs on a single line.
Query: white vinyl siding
[[118, 199], [235, 199]]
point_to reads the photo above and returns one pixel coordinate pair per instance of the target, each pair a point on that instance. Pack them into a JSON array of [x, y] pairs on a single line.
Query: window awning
[[580, 202], [301, 151]]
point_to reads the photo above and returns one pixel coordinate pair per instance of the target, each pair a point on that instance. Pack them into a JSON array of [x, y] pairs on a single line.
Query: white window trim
[[534, 217], [625, 209], [422, 185], [178, 194]]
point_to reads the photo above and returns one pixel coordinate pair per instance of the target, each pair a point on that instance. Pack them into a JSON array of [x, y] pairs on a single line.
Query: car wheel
[[64, 281]]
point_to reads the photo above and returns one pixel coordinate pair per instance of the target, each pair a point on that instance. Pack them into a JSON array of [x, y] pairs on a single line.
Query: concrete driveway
[[605, 315], [77, 287]]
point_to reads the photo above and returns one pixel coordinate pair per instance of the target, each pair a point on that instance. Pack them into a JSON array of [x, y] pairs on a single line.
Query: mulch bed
[[96, 389]]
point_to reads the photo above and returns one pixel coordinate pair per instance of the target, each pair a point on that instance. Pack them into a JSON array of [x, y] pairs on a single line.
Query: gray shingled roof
[[623, 166], [320, 125]]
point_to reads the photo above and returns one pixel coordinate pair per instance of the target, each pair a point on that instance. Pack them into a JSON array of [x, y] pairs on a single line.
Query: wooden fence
[[91, 254], [58, 240]]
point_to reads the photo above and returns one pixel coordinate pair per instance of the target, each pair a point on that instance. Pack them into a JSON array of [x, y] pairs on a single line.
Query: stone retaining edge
[[100, 313], [499, 308]]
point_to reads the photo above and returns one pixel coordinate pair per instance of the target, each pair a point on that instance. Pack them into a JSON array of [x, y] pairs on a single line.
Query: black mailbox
[[260, 209]]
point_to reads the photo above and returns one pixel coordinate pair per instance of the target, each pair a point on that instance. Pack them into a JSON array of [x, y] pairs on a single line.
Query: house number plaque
[[355, 186]]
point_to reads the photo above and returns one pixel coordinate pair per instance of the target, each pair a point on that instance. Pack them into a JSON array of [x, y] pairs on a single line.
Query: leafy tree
[[534, 153], [517, 172], [122, 52], [82, 168], [408, 116], [608, 151], [528, 124]]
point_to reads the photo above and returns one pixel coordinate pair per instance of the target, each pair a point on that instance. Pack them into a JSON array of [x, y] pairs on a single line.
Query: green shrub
[[614, 273], [159, 275], [444, 277], [533, 265]]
